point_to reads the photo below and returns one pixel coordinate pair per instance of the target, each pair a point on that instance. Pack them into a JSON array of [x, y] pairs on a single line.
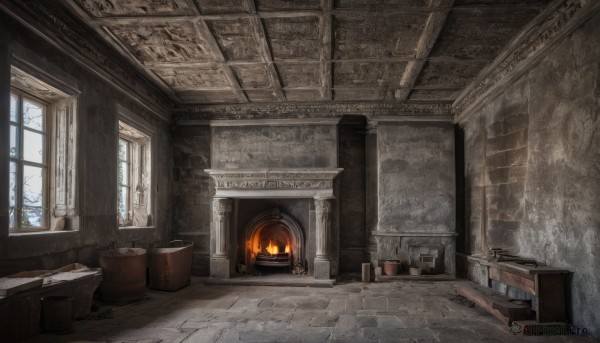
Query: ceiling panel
[[446, 75], [252, 76], [171, 42], [235, 39], [302, 94], [293, 38], [269, 5], [221, 6], [193, 78], [365, 74], [380, 5], [385, 36], [300, 74], [105, 8], [480, 33]]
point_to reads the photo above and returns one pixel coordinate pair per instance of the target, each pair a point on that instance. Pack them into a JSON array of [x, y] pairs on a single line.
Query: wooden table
[[547, 283]]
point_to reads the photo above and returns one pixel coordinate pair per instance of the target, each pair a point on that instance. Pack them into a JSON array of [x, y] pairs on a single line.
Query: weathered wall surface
[[299, 146], [192, 192], [416, 177], [98, 136], [416, 188], [536, 149]]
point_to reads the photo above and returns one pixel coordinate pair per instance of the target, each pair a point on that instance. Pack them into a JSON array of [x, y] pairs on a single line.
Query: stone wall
[[416, 189], [249, 147], [97, 158], [192, 201], [532, 171]]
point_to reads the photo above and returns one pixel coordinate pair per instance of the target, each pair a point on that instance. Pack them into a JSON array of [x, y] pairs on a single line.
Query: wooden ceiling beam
[[203, 31], [260, 36], [433, 28]]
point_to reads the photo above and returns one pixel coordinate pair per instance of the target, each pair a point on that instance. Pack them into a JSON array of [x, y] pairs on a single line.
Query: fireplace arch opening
[[274, 239]]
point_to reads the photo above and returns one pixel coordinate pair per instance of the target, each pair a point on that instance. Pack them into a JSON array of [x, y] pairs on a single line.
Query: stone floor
[[400, 311]]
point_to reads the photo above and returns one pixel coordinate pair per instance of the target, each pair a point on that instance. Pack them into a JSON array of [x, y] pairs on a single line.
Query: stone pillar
[[323, 209], [219, 263]]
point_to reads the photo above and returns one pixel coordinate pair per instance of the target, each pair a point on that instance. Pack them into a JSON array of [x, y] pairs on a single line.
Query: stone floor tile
[[324, 320], [375, 303], [366, 321], [351, 312], [398, 333]]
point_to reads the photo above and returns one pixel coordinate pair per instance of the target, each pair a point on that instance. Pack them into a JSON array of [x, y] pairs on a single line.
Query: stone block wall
[[532, 172], [415, 191], [265, 146]]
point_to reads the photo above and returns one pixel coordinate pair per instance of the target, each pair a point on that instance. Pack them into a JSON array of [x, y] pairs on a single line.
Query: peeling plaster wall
[[97, 173], [532, 170]]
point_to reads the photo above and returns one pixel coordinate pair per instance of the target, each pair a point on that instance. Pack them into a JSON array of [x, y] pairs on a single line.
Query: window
[[28, 191], [42, 190], [133, 177]]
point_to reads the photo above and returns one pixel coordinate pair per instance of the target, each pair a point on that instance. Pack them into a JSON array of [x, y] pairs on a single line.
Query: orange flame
[[287, 248], [272, 249]]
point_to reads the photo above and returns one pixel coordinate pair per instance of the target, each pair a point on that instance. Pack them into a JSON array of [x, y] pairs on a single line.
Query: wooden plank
[[518, 281], [494, 303], [267, 56], [430, 34], [12, 286]]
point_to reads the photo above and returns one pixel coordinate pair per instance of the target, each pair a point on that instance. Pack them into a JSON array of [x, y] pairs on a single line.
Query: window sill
[[136, 227], [45, 232]]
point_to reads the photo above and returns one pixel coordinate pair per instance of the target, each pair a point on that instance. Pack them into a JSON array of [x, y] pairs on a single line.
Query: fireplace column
[[219, 263], [323, 209]]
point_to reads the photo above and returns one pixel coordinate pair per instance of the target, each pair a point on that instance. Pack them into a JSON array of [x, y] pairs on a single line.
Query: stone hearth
[[307, 183]]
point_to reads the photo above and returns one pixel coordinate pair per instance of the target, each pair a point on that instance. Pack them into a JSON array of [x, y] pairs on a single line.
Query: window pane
[[123, 173], [33, 185], [12, 194], [14, 148], [123, 150], [33, 216], [123, 204], [33, 146], [13, 108], [33, 116]]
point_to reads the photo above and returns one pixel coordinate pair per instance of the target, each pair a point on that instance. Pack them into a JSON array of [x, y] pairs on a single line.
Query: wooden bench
[[547, 283], [494, 303]]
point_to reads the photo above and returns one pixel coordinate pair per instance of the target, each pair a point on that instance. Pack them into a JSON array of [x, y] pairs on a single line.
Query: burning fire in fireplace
[[273, 249]]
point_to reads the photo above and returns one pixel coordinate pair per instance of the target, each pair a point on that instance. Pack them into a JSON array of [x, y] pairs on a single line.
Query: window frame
[[20, 161], [134, 122], [128, 161]]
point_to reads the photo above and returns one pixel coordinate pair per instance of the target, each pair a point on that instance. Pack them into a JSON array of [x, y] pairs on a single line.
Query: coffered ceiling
[[257, 51]]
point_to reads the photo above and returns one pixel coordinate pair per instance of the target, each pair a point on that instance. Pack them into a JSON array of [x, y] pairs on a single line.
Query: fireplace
[[273, 238]]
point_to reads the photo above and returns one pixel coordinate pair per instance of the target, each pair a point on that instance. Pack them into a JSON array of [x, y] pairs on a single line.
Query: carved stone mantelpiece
[[267, 183], [314, 183]]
